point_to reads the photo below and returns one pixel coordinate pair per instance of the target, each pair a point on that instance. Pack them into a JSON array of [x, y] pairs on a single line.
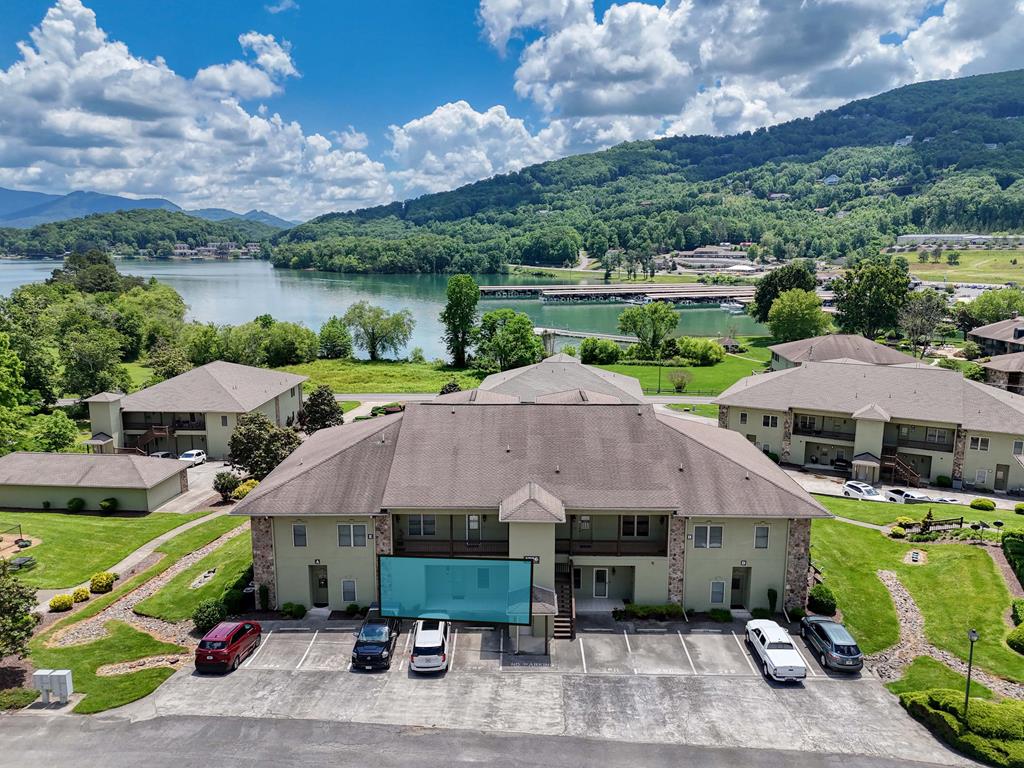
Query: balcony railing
[[827, 434], [178, 424], [922, 445], [447, 548], [611, 547]]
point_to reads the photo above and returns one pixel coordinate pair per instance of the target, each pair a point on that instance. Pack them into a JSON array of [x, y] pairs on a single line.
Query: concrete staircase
[[565, 619]]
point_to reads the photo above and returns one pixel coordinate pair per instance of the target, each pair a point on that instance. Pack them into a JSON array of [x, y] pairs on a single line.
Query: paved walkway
[[661, 408]]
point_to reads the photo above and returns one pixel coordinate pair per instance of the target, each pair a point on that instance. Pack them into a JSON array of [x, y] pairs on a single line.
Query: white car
[[858, 490], [900, 496], [945, 500], [162, 455], [194, 457], [430, 652], [779, 658]]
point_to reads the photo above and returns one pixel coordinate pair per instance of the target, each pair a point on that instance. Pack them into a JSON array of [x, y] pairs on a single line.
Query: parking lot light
[[972, 635]]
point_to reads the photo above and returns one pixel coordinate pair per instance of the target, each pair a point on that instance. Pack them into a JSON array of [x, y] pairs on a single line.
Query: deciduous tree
[[56, 432], [650, 323], [506, 340], [459, 316], [258, 445], [797, 314], [378, 331], [17, 617], [920, 315], [778, 281], [335, 339], [869, 297], [321, 410]]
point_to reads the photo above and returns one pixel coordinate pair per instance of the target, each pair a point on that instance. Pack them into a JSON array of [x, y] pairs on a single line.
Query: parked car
[[162, 455], [945, 500], [859, 490], [194, 457], [226, 645], [834, 645], [779, 658], [430, 646], [375, 642], [901, 496]]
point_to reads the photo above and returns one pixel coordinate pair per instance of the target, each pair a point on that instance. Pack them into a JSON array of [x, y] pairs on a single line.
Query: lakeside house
[[836, 346], [610, 500], [906, 424], [1000, 338], [196, 410]]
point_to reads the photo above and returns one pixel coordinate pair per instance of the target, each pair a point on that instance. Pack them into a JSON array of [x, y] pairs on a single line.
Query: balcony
[[824, 434], [198, 425], [922, 445], [616, 547], [448, 548]]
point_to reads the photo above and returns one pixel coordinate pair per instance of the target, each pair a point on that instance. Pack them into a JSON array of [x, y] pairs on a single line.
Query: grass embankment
[[77, 545], [707, 380], [348, 405], [925, 674], [959, 587], [883, 513], [700, 409], [975, 267], [123, 643], [358, 376], [139, 374]]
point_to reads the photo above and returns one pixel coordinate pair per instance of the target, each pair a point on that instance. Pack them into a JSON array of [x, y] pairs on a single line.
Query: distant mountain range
[[22, 209]]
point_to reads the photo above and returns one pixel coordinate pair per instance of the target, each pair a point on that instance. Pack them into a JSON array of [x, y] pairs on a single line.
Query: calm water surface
[[236, 291]]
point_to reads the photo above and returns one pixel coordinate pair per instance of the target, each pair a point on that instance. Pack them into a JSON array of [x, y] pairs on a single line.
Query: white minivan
[[430, 652]]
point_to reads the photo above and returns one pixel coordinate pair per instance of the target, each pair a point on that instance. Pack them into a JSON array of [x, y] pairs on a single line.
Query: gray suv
[[835, 647]]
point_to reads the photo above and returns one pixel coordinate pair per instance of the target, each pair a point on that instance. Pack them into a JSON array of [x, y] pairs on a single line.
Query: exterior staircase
[[900, 470], [155, 432], [565, 619]]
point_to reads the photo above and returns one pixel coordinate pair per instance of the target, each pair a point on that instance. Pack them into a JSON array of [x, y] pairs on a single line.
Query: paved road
[[199, 742]]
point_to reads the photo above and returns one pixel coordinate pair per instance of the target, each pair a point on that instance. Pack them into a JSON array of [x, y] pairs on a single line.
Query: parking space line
[[451, 656], [501, 650], [743, 650], [263, 644], [308, 649], [807, 666], [583, 656], [629, 649], [687, 651]]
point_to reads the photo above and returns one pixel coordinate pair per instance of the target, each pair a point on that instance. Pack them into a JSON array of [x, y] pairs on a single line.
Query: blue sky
[[334, 105]]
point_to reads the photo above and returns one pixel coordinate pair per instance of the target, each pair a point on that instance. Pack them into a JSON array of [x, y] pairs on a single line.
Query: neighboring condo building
[[837, 346], [906, 424], [196, 410], [1001, 338], [1006, 372], [612, 501]]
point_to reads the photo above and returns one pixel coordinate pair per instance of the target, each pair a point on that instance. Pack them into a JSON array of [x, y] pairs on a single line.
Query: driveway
[[667, 686], [200, 491]]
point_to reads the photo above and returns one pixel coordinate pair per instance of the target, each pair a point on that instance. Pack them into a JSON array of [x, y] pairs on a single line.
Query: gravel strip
[[151, 662]]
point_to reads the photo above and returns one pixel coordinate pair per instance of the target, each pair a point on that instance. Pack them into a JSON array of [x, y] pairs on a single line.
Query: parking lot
[[691, 685]]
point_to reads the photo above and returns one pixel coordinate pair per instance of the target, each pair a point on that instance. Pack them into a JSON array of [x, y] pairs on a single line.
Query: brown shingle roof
[[1001, 330], [559, 373], [531, 504], [928, 394], [1012, 363], [217, 387], [86, 470], [836, 346]]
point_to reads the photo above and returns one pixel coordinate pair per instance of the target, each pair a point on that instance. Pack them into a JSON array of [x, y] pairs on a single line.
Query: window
[[584, 522], [636, 526], [483, 578], [707, 536], [981, 477], [935, 435], [979, 443], [752, 438], [472, 522], [422, 525], [760, 537], [292, 392], [717, 592], [348, 590], [1018, 447], [743, 417], [805, 422], [904, 432], [223, 421], [298, 535], [577, 578], [769, 421], [351, 535]]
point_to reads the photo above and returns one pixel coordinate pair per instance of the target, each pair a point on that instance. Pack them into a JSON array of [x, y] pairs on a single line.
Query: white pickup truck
[[774, 647]]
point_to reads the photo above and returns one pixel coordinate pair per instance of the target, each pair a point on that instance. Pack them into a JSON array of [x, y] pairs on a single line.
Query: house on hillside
[[1006, 372], [1000, 338], [196, 410], [831, 180], [608, 499], [836, 346], [907, 424]]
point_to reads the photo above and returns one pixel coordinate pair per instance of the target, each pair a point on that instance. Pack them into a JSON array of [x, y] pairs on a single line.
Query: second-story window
[[351, 535], [769, 421], [298, 535], [743, 417], [979, 443], [422, 525], [636, 526], [707, 536], [760, 537], [1018, 447]]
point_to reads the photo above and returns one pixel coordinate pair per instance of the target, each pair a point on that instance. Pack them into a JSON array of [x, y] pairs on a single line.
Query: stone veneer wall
[[787, 437], [999, 379], [798, 562], [959, 447], [723, 416], [264, 571], [676, 558], [382, 540]]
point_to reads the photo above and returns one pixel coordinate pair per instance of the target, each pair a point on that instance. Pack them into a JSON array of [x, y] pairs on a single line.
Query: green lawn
[[200, 535], [139, 373], [75, 546], [710, 379], [925, 673], [883, 513], [363, 376], [959, 588], [975, 267], [700, 409], [348, 405], [124, 643], [176, 601]]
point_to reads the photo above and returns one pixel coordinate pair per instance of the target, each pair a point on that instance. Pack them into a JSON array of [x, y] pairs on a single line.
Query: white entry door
[[600, 582]]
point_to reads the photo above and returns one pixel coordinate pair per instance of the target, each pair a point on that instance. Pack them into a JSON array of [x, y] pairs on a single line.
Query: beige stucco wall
[[767, 566], [33, 496], [770, 436], [106, 417], [647, 577], [284, 405], [218, 435], [869, 437], [165, 491], [1000, 451], [293, 562], [535, 540]]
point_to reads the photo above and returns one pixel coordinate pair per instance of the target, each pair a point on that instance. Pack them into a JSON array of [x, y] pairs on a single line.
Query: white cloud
[[503, 19], [281, 6], [350, 138], [82, 112]]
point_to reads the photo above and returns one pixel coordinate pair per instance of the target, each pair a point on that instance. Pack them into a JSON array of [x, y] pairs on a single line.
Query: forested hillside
[[963, 170], [157, 230]]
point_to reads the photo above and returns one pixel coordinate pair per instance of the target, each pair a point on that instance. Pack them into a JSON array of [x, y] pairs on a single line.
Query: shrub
[[971, 350], [921, 537], [80, 595], [293, 610], [665, 612], [1017, 611], [61, 603], [944, 481], [720, 614], [772, 455], [821, 600], [208, 614], [225, 484], [243, 489], [679, 379], [101, 582], [773, 598], [76, 504], [1019, 507], [264, 593], [46, 505], [897, 532], [984, 505], [762, 613], [452, 386], [352, 609], [17, 698], [1016, 639], [599, 351], [234, 600], [797, 613], [570, 350], [905, 521]]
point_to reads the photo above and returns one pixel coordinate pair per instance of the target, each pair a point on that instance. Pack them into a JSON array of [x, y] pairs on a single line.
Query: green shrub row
[[984, 505], [1017, 611], [293, 610], [821, 600], [101, 582], [1013, 548], [666, 612], [59, 603], [995, 734], [720, 614], [17, 698]]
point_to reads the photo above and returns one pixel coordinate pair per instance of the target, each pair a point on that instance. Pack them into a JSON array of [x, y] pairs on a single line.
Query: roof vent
[[746, 475], [453, 409], [680, 466], [557, 469], [508, 448]]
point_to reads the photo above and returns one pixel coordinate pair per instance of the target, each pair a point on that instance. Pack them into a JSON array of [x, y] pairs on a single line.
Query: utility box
[[41, 682], [61, 685]]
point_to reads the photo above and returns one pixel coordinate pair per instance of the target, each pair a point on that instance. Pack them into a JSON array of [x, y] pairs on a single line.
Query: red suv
[[225, 645]]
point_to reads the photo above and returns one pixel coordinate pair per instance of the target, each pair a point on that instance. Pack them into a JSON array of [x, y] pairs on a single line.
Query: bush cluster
[[208, 614], [984, 505], [225, 483], [1019, 507], [1017, 611], [599, 352], [108, 505], [243, 489], [293, 610], [995, 734], [1016, 639], [821, 600], [101, 582], [905, 522], [76, 504], [944, 481], [80, 595], [898, 532], [666, 612], [61, 603], [720, 614]]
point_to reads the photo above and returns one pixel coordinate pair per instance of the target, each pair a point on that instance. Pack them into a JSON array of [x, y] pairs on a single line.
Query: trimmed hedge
[[76, 504], [293, 610], [667, 612], [1017, 611], [108, 505], [1019, 507], [101, 582], [897, 532], [60, 603], [1016, 639], [983, 505], [208, 614], [995, 734], [720, 614], [80, 595], [821, 600]]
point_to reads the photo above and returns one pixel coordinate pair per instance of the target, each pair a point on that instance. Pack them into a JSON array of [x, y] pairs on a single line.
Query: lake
[[236, 291]]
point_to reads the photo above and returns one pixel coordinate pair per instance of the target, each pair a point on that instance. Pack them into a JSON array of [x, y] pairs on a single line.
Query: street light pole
[[972, 635]]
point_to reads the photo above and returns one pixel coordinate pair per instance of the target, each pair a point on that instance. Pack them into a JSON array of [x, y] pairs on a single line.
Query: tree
[[506, 340], [17, 617], [650, 323], [92, 363], [459, 316], [225, 483], [599, 351], [201, 343], [321, 410], [795, 275], [258, 445], [869, 297], [378, 331], [920, 315], [953, 258], [290, 344], [56, 432], [11, 395], [796, 314], [996, 305], [964, 319], [452, 386], [335, 339], [168, 361]]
